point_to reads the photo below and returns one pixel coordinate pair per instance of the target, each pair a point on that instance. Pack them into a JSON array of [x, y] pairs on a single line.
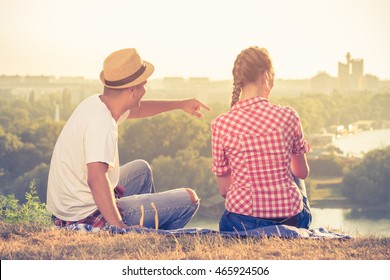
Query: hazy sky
[[194, 37]]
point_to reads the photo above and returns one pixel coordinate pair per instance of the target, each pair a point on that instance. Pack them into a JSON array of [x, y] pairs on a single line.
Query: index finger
[[204, 106]]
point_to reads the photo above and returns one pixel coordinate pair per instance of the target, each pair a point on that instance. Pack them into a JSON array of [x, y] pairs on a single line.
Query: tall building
[[357, 74], [350, 74]]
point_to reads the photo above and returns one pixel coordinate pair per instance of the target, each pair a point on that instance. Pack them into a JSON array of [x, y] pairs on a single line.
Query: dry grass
[[21, 243]]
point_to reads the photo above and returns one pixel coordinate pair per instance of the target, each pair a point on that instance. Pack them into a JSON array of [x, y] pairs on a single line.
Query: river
[[339, 220], [359, 143], [351, 221]]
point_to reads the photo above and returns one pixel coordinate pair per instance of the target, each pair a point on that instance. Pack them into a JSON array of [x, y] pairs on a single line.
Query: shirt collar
[[249, 102]]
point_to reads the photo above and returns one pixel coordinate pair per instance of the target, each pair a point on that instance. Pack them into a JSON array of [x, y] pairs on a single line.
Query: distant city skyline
[[193, 38], [340, 73]]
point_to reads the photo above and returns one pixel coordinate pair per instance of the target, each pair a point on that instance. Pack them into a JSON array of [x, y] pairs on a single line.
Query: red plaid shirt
[[254, 142], [96, 219]]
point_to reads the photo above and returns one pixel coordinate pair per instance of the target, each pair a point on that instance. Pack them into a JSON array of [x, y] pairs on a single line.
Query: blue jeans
[[174, 208], [237, 222]]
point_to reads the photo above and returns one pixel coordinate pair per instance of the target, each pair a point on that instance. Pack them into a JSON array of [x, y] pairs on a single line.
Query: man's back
[[89, 135]]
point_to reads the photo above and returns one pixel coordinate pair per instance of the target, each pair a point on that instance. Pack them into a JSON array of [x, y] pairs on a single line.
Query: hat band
[[128, 79]]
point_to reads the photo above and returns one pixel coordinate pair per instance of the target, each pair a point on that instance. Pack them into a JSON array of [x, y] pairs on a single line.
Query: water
[[339, 220], [351, 222], [363, 142]]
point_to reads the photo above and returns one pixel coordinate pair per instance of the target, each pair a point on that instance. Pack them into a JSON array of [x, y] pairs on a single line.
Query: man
[[85, 172]]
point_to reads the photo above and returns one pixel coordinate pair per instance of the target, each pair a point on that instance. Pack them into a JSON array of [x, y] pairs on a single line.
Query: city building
[[350, 74], [71, 90]]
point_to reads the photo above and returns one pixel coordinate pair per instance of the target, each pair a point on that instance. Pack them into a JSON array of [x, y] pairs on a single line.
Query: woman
[[259, 152]]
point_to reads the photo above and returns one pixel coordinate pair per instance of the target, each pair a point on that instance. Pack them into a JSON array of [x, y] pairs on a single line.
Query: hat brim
[[145, 75]]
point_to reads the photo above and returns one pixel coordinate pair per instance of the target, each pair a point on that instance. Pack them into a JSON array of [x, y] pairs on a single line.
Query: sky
[[193, 38]]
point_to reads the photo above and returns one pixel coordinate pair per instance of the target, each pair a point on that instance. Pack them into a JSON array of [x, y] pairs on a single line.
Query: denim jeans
[[174, 208], [237, 222]]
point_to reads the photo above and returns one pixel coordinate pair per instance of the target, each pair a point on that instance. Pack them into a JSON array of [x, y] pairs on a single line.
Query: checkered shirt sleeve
[[220, 164], [300, 145]]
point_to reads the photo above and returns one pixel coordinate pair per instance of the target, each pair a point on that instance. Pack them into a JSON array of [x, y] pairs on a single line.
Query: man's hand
[[102, 193], [193, 106]]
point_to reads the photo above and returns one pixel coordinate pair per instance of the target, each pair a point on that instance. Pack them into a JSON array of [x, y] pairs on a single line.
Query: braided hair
[[248, 66]]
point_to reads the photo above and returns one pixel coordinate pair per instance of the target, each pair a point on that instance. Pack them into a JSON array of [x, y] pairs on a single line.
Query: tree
[[163, 135], [186, 169], [44, 136], [9, 143], [39, 175], [368, 182], [33, 145], [328, 165]]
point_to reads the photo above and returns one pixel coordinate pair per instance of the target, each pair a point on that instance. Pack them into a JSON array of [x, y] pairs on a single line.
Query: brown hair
[[248, 66]]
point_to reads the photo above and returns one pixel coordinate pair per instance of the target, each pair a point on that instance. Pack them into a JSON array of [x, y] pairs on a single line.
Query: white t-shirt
[[90, 135]]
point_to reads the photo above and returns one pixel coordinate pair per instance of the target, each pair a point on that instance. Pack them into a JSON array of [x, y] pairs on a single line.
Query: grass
[[33, 243], [26, 234]]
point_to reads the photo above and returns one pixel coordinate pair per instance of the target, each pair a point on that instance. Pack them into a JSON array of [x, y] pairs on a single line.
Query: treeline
[[177, 145], [368, 181], [321, 111]]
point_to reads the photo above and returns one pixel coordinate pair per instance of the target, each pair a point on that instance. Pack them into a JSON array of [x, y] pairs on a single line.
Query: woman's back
[[258, 151], [256, 139]]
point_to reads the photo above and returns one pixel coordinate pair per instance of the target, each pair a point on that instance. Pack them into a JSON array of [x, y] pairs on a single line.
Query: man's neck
[[112, 106]]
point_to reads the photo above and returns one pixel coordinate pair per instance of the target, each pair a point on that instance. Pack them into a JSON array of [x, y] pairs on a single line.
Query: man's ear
[[131, 91]]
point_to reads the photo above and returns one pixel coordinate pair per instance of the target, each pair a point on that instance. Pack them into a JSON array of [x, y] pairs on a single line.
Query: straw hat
[[125, 68]]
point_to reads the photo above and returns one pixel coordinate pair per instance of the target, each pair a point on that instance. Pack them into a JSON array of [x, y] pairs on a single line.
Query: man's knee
[[194, 197], [143, 165]]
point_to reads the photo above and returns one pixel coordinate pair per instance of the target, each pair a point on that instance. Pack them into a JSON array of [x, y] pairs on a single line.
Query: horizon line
[[173, 76]]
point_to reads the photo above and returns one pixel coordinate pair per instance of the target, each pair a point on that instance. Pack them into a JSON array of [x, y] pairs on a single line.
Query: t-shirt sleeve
[[100, 144]]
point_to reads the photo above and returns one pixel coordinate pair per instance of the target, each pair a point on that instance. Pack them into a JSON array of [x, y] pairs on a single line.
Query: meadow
[[27, 234], [29, 242]]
